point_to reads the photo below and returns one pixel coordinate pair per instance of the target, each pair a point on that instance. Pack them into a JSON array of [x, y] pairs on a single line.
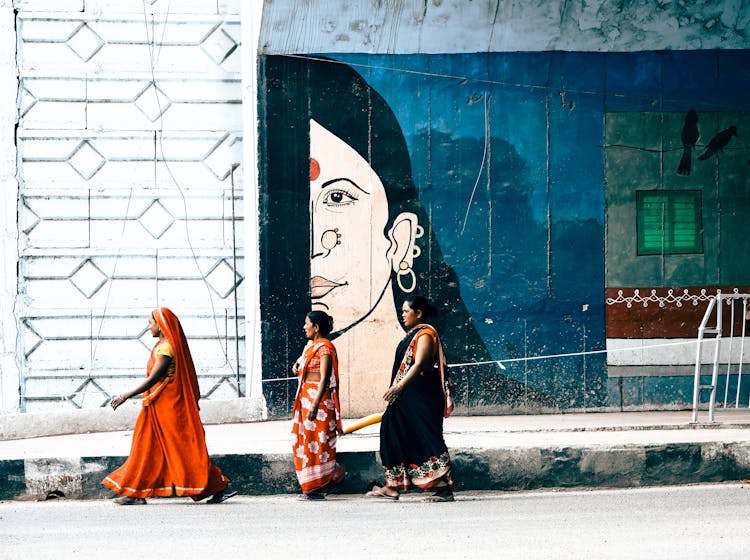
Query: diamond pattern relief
[[89, 395], [113, 88], [88, 278], [26, 101], [152, 102], [156, 219], [223, 157], [28, 219], [225, 388], [86, 160], [31, 339], [222, 278], [85, 42], [218, 45]]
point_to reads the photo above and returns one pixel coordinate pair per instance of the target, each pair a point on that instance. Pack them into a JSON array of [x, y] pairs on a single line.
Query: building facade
[[523, 164]]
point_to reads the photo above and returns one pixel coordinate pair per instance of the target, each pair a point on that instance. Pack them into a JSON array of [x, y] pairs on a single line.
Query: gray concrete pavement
[[674, 522], [489, 453]]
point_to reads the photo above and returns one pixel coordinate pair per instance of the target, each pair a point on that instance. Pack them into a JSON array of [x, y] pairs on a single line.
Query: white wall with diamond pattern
[[128, 194]]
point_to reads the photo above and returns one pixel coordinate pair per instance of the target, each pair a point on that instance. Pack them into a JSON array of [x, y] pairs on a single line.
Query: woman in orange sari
[[168, 454], [316, 416], [412, 447]]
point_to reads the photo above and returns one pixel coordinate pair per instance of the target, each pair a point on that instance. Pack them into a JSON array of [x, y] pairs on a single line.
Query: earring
[[405, 270]]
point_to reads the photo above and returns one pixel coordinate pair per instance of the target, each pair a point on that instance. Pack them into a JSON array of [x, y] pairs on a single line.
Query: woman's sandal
[[221, 497], [377, 492], [441, 496], [314, 496], [128, 501]]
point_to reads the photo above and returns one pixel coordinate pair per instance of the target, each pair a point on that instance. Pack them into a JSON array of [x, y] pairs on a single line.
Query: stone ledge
[[41, 424]]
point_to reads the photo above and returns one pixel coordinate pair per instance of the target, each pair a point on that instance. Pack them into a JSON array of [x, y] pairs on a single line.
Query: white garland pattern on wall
[[669, 298]]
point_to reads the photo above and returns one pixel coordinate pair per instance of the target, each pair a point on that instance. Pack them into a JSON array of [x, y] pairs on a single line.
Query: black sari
[[412, 447]]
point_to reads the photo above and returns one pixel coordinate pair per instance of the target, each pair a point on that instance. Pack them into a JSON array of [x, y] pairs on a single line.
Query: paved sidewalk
[[488, 452]]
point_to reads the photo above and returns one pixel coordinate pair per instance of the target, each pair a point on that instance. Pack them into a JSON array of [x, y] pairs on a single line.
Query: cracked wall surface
[[429, 26]]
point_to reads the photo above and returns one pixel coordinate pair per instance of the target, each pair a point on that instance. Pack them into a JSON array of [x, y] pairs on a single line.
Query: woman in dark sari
[[412, 447]]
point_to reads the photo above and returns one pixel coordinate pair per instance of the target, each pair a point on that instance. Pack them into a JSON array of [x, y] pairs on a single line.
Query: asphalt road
[[704, 522]]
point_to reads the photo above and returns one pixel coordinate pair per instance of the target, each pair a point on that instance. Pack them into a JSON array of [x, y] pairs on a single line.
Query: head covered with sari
[[185, 377]]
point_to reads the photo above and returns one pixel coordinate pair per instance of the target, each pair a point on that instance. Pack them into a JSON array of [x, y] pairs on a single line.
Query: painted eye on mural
[[336, 198]]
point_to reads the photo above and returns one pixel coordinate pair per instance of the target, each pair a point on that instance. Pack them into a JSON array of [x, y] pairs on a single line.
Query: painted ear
[[403, 235]]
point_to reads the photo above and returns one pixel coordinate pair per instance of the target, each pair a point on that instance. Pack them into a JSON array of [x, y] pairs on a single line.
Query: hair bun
[[323, 320]]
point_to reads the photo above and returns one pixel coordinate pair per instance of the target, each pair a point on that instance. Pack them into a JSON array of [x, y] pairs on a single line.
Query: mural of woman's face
[[350, 265]]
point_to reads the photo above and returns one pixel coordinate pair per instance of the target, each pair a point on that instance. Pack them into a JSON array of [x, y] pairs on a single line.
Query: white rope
[[571, 354], [528, 358]]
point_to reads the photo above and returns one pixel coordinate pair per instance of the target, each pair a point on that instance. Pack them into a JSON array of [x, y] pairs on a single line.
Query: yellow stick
[[362, 422]]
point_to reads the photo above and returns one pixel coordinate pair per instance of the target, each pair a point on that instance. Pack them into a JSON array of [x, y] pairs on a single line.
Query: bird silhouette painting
[[689, 136], [718, 142]]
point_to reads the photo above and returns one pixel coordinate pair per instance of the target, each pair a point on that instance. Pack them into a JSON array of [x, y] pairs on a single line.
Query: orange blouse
[[314, 365]]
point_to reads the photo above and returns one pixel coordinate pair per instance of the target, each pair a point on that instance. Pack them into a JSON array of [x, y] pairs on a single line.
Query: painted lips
[[320, 286]]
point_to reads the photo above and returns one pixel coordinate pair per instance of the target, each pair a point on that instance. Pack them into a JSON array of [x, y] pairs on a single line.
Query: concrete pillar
[[251, 18], [9, 371]]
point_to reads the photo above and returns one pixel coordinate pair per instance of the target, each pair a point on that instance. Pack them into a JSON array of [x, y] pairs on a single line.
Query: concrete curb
[[489, 453], [506, 468]]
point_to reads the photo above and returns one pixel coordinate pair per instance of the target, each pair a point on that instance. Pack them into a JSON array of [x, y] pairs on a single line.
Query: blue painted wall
[[507, 155]]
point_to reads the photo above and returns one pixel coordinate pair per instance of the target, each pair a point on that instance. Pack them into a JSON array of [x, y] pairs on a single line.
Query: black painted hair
[[323, 320], [293, 90]]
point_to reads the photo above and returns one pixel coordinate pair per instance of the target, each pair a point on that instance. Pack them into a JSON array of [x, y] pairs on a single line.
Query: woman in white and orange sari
[[316, 416]]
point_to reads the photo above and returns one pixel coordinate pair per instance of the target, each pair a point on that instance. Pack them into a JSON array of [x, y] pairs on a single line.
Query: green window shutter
[[669, 222]]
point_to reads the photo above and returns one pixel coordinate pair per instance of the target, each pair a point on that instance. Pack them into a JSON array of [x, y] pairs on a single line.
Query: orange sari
[[168, 454], [314, 442]]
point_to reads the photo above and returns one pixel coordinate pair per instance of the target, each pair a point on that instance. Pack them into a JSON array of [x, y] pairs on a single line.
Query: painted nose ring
[[330, 238]]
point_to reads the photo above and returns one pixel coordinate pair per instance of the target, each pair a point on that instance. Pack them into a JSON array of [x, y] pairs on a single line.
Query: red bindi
[[314, 169]]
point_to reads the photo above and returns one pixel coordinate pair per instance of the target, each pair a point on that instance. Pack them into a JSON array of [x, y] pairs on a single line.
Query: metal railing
[[717, 341]]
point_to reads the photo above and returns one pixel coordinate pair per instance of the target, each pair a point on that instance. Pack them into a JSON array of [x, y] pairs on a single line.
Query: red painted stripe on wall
[[666, 312]]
